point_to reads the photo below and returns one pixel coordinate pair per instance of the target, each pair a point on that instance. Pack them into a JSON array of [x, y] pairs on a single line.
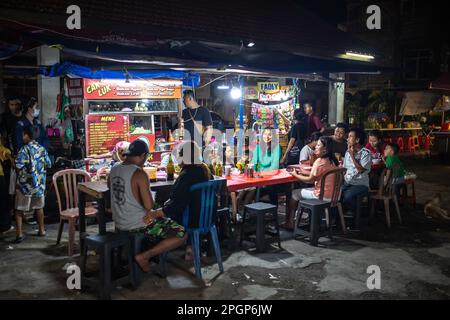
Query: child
[[5, 216], [393, 163], [31, 165]]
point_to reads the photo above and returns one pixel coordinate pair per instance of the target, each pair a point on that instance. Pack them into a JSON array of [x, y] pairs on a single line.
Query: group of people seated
[[357, 160], [133, 206]]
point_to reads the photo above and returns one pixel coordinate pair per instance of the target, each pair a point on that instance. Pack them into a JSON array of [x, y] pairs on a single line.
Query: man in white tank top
[[132, 204]]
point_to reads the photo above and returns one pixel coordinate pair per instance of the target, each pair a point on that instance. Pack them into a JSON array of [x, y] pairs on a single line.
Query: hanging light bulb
[[236, 93]]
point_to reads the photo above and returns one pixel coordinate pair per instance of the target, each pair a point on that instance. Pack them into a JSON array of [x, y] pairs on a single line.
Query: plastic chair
[[69, 213], [317, 205], [386, 193], [401, 144], [413, 144], [104, 246], [206, 223]]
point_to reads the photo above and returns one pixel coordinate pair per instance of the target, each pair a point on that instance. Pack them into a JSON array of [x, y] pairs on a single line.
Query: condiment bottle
[[170, 169]]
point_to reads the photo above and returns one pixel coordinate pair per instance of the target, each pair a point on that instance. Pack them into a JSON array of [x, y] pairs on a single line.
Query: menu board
[[114, 89], [104, 131]]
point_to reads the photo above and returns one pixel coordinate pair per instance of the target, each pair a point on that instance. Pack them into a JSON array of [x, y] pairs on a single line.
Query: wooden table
[[99, 191]]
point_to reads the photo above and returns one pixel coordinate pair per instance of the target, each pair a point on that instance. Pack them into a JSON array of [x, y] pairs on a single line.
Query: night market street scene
[[240, 151]]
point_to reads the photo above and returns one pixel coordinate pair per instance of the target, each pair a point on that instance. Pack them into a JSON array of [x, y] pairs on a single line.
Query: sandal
[[20, 239]]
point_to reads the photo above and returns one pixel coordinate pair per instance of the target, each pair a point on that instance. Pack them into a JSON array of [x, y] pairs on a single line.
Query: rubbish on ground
[[272, 277]]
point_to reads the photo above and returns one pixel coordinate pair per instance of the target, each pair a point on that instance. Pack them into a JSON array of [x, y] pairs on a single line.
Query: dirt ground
[[414, 261]]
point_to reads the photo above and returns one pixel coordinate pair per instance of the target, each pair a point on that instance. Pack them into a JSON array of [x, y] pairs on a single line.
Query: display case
[[147, 105]]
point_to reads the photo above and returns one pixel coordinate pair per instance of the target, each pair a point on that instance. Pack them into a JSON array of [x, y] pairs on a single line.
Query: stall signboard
[[269, 91], [268, 87], [104, 131], [251, 93], [119, 89]]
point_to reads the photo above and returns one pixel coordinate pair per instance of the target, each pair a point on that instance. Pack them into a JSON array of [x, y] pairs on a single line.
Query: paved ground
[[414, 260]]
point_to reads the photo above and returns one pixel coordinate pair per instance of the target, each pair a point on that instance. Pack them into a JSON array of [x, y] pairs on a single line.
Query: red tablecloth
[[239, 182]]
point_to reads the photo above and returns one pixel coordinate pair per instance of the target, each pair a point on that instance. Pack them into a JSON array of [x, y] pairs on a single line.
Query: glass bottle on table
[[170, 169], [170, 139], [219, 170]]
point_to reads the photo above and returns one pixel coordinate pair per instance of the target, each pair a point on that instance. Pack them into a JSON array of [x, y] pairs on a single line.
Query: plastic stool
[[261, 209], [136, 241], [104, 245]]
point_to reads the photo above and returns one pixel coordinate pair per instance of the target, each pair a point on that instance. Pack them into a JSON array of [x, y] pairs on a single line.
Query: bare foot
[[142, 262]]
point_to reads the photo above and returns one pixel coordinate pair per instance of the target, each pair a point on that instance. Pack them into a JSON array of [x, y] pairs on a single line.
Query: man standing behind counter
[[197, 120]]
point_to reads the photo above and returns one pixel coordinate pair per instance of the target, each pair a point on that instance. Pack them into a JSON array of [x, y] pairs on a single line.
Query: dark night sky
[[332, 11]]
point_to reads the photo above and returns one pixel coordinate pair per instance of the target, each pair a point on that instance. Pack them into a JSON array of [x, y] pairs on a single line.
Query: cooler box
[[149, 137]]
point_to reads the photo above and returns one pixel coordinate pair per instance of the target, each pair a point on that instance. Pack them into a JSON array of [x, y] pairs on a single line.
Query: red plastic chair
[[413, 144], [401, 144]]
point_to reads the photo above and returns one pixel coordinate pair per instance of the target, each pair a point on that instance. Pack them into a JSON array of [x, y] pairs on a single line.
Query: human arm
[[364, 163], [5, 153], [304, 178], [289, 147], [285, 119], [22, 159], [317, 123], [19, 135], [48, 162], [179, 197], [141, 190], [208, 124]]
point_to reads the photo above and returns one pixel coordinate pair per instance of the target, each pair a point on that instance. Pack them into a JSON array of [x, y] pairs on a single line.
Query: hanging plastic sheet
[[71, 69], [418, 102]]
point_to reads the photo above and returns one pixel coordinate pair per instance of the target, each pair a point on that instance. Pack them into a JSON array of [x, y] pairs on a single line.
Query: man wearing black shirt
[[296, 139], [197, 120], [9, 121]]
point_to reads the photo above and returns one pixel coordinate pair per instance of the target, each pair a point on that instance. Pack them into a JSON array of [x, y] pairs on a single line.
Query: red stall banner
[[118, 89], [104, 131]]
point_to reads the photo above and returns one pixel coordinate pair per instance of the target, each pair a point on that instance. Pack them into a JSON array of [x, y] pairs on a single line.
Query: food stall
[[125, 110], [272, 106]]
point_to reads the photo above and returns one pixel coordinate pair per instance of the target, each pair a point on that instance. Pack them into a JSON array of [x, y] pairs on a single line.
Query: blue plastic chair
[[206, 224]]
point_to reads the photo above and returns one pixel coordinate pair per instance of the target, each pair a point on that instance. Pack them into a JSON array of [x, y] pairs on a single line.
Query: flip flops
[[20, 239]]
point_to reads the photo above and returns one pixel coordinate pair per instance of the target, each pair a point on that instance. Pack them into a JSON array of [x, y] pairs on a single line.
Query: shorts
[[303, 194], [161, 229], [28, 203]]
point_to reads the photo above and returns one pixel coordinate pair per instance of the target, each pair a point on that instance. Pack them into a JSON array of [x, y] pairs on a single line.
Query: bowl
[[376, 161]]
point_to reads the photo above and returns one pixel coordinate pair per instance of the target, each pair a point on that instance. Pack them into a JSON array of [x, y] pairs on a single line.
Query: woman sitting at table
[[193, 171], [266, 157], [326, 162]]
